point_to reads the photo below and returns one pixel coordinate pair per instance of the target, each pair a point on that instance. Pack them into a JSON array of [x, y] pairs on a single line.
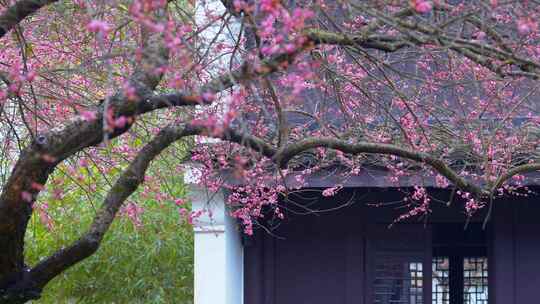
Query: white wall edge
[[210, 229]]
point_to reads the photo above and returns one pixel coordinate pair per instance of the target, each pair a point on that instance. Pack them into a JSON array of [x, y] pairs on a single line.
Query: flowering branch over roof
[[413, 88]]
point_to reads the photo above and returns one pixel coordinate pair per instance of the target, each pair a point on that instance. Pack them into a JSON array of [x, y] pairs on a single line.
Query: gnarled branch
[[285, 154], [128, 182]]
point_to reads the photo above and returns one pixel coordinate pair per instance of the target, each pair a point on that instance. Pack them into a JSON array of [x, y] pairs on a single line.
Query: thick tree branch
[[514, 171], [285, 154], [127, 183], [18, 11], [378, 42], [38, 160]]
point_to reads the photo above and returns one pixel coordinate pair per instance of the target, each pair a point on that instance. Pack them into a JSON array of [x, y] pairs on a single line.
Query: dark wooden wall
[[309, 258], [516, 251], [323, 257]]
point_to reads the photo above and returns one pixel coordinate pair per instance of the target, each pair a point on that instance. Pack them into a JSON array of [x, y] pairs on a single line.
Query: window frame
[[456, 256]]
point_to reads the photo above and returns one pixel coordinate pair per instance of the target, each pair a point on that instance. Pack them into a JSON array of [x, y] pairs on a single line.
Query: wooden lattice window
[[440, 293], [475, 280], [398, 280], [460, 280]]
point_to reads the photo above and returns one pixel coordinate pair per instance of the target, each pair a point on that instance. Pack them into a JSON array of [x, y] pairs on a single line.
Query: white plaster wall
[[218, 252], [234, 262], [210, 268]]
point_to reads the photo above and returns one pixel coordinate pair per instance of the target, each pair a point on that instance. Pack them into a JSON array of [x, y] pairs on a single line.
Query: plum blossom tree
[[290, 88]]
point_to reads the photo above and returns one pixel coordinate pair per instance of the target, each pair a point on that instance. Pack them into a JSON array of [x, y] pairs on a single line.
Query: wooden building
[[342, 249]]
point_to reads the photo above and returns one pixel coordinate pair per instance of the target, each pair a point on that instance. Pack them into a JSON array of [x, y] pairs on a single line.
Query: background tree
[[418, 88], [150, 243]]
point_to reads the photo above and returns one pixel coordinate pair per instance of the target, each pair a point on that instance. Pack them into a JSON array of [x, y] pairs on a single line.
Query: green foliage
[[148, 264]]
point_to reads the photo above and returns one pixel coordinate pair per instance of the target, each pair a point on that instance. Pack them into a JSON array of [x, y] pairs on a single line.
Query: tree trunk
[[11, 255], [15, 285]]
